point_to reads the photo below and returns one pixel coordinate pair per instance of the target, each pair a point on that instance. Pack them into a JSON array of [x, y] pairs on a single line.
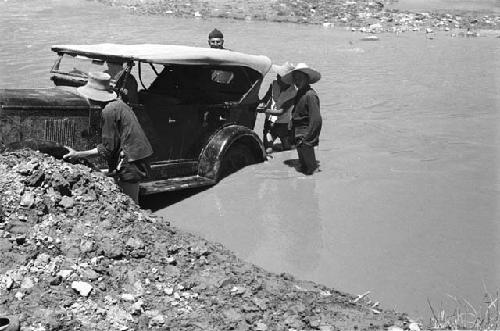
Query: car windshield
[[80, 66]]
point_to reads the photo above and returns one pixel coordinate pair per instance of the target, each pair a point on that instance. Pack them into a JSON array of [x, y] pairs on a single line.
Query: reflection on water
[[286, 241], [407, 202]]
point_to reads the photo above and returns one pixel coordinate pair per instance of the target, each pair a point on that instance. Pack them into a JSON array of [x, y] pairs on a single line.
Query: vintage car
[[197, 107]]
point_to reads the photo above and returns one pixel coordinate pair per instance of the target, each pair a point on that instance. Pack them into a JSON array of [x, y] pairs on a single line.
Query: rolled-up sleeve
[[315, 121], [110, 139]]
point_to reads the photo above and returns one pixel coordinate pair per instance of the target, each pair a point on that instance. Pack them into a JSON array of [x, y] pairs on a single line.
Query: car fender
[[213, 152]]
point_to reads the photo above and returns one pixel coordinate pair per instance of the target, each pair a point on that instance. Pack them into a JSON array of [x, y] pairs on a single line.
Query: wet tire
[[237, 157]]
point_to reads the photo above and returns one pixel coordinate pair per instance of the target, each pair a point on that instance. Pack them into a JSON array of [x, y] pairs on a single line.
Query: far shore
[[365, 16]]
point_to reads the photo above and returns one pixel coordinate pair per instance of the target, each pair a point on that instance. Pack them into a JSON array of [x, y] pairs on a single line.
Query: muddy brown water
[[407, 202]]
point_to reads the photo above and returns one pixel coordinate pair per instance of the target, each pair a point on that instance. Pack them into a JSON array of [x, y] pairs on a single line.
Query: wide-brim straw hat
[[98, 88], [313, 75], [283, 69]]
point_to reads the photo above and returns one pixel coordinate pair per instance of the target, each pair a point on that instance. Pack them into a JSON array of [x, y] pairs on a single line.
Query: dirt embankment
[[355, 14], [76, 254]]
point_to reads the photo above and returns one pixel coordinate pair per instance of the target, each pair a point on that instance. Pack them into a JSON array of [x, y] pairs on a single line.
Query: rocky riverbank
[[373, 16], [76, 254]]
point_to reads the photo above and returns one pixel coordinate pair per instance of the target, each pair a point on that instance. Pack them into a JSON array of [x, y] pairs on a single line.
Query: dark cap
[[215, 34]]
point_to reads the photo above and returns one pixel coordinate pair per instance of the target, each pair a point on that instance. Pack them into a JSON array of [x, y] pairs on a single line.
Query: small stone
[[36, 178], [135, 243], [232, 315], [136, 308], [157, 320], [101, 311], [314, 323], [19, 295], [168, 290], [249, 308], [18, 228], [89, 274], [259, 326], [128, 297], [5, 245], [152, 313], [6, 282], [261, 303], [42, 260], [238, 290], [86, 246], [83, 288], [27, 200], [64, 273], [27, 168], [67, 202], [20, 239], [54, 281], [414, 326], [27, 283], [111, 249], [110, 300]]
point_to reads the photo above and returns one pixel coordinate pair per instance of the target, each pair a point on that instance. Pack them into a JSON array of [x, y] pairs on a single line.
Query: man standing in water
[[124, 144], [216, 39], [278, 105], [306, 117]]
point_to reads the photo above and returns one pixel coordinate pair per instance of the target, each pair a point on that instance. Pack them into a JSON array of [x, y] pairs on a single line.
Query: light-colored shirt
[[281, 100]]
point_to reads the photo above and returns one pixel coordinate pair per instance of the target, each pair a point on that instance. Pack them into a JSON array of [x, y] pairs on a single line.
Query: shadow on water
[[162, 200], [292, 163]]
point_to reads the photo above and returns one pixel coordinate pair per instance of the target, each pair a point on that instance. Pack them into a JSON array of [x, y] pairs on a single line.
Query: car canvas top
[[170, 54]]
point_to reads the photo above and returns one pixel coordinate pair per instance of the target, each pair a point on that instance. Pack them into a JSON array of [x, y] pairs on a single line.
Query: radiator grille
[[60, 131]]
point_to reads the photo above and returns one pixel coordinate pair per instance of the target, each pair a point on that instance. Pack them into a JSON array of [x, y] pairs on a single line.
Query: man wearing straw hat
[[306, 117], [124, 144], [278, 105]]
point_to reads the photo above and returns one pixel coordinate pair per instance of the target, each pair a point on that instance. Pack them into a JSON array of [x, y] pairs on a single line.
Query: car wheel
[[238, 156]]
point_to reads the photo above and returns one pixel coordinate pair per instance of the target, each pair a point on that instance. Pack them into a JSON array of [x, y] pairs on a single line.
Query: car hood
[[47, 98]]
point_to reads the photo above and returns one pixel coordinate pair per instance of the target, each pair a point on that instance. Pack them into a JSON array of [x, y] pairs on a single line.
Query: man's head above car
[[216, 39]]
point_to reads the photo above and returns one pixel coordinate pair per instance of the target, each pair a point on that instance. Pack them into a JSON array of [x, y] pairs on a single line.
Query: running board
[[174, 184]]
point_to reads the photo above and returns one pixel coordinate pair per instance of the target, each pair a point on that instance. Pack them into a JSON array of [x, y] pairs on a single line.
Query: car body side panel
[[172, 129]]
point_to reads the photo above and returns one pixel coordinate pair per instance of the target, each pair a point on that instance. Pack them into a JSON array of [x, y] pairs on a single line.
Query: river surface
[[407, 201]]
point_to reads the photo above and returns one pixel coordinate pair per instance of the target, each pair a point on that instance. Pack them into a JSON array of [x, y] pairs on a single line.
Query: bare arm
[[75, 155]]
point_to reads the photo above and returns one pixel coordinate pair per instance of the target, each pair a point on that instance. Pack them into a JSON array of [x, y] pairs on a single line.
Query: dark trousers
[[307, 158], [277, 130], [130, 189], [129, 176]]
